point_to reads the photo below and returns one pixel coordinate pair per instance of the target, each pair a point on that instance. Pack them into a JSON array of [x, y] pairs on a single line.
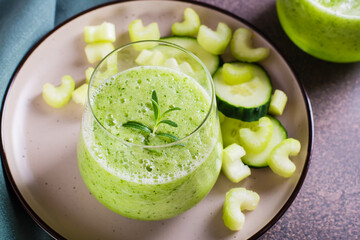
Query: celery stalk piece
[[97, 51], [79, 95], [278, 102], [234, 74], [233, 168], [256, 138], [241, 47], [88, 72], [237, 200], [189, 27], [186, 68], [279, 161], [104, 32], [139, 32], [214, 42], [171, 63], [150, 57], [59, 96]]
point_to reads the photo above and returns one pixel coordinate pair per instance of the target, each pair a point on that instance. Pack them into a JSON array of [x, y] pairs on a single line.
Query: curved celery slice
[[97, 51], [278, 102], [88, 72], [139, 32], [79, 95], [59, 96], [104, 32], [147, 57], [237, 200], [279, 161], [233, 168], [241, 47], [234, 74], [214, 42], [189, 27], [256, 138]]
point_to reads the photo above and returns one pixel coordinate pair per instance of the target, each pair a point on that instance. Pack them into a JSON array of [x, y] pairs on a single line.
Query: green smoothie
[[139, 175], [326, 29]]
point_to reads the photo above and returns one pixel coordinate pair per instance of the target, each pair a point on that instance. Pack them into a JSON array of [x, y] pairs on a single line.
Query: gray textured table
[[328, 205]]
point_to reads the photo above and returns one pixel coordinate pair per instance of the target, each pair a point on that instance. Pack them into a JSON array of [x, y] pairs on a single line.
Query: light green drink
[[326, 29], [138, 174]]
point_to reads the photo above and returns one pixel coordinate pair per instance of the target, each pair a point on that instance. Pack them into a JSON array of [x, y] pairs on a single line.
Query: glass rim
[[177, 142]]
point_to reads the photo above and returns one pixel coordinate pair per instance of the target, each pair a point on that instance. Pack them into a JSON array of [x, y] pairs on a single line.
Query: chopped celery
[[241, 47], [237, 200], [214, 42], [147, 57], [59, 96], [97, 51], [171, 63], [256, 138], [190, 25], [279, 161], [233, 168], [88, 72], [233, 74], [278, 102], [100, 33], [139, 32], [185, 67], [79, 95]]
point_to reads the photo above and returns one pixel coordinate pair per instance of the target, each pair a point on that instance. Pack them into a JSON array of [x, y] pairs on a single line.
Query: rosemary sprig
[[158, 119]]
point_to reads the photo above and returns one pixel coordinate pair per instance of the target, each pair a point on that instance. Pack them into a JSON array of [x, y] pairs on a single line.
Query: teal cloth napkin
[[22, 24]]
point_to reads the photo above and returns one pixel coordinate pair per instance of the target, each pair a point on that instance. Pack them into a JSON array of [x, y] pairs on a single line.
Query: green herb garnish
[[158, 118]]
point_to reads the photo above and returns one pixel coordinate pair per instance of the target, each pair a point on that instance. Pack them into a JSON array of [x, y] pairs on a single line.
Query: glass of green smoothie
[[326, 29], [150, 145]]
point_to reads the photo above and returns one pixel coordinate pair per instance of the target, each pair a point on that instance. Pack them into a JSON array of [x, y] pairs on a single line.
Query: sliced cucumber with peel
[[246, 101]]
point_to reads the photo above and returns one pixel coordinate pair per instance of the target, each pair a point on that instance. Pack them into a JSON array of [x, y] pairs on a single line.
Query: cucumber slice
[[211, 61], [190, 25], [237, 200], [241, 47], [247, 101], [230, 134], [233, 168], [279, 161], [214, 42], [278, 102]]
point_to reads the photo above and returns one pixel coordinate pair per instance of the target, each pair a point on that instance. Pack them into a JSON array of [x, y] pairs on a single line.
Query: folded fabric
[[22, 24]]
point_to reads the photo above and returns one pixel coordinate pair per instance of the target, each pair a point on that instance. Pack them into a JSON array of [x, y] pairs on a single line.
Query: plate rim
[[51, 232]]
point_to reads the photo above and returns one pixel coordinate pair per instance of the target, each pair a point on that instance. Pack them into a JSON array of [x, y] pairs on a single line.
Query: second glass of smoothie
[[150, 145]]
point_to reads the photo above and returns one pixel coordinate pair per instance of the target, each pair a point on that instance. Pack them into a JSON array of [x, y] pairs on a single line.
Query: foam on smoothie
[[127, 97]]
